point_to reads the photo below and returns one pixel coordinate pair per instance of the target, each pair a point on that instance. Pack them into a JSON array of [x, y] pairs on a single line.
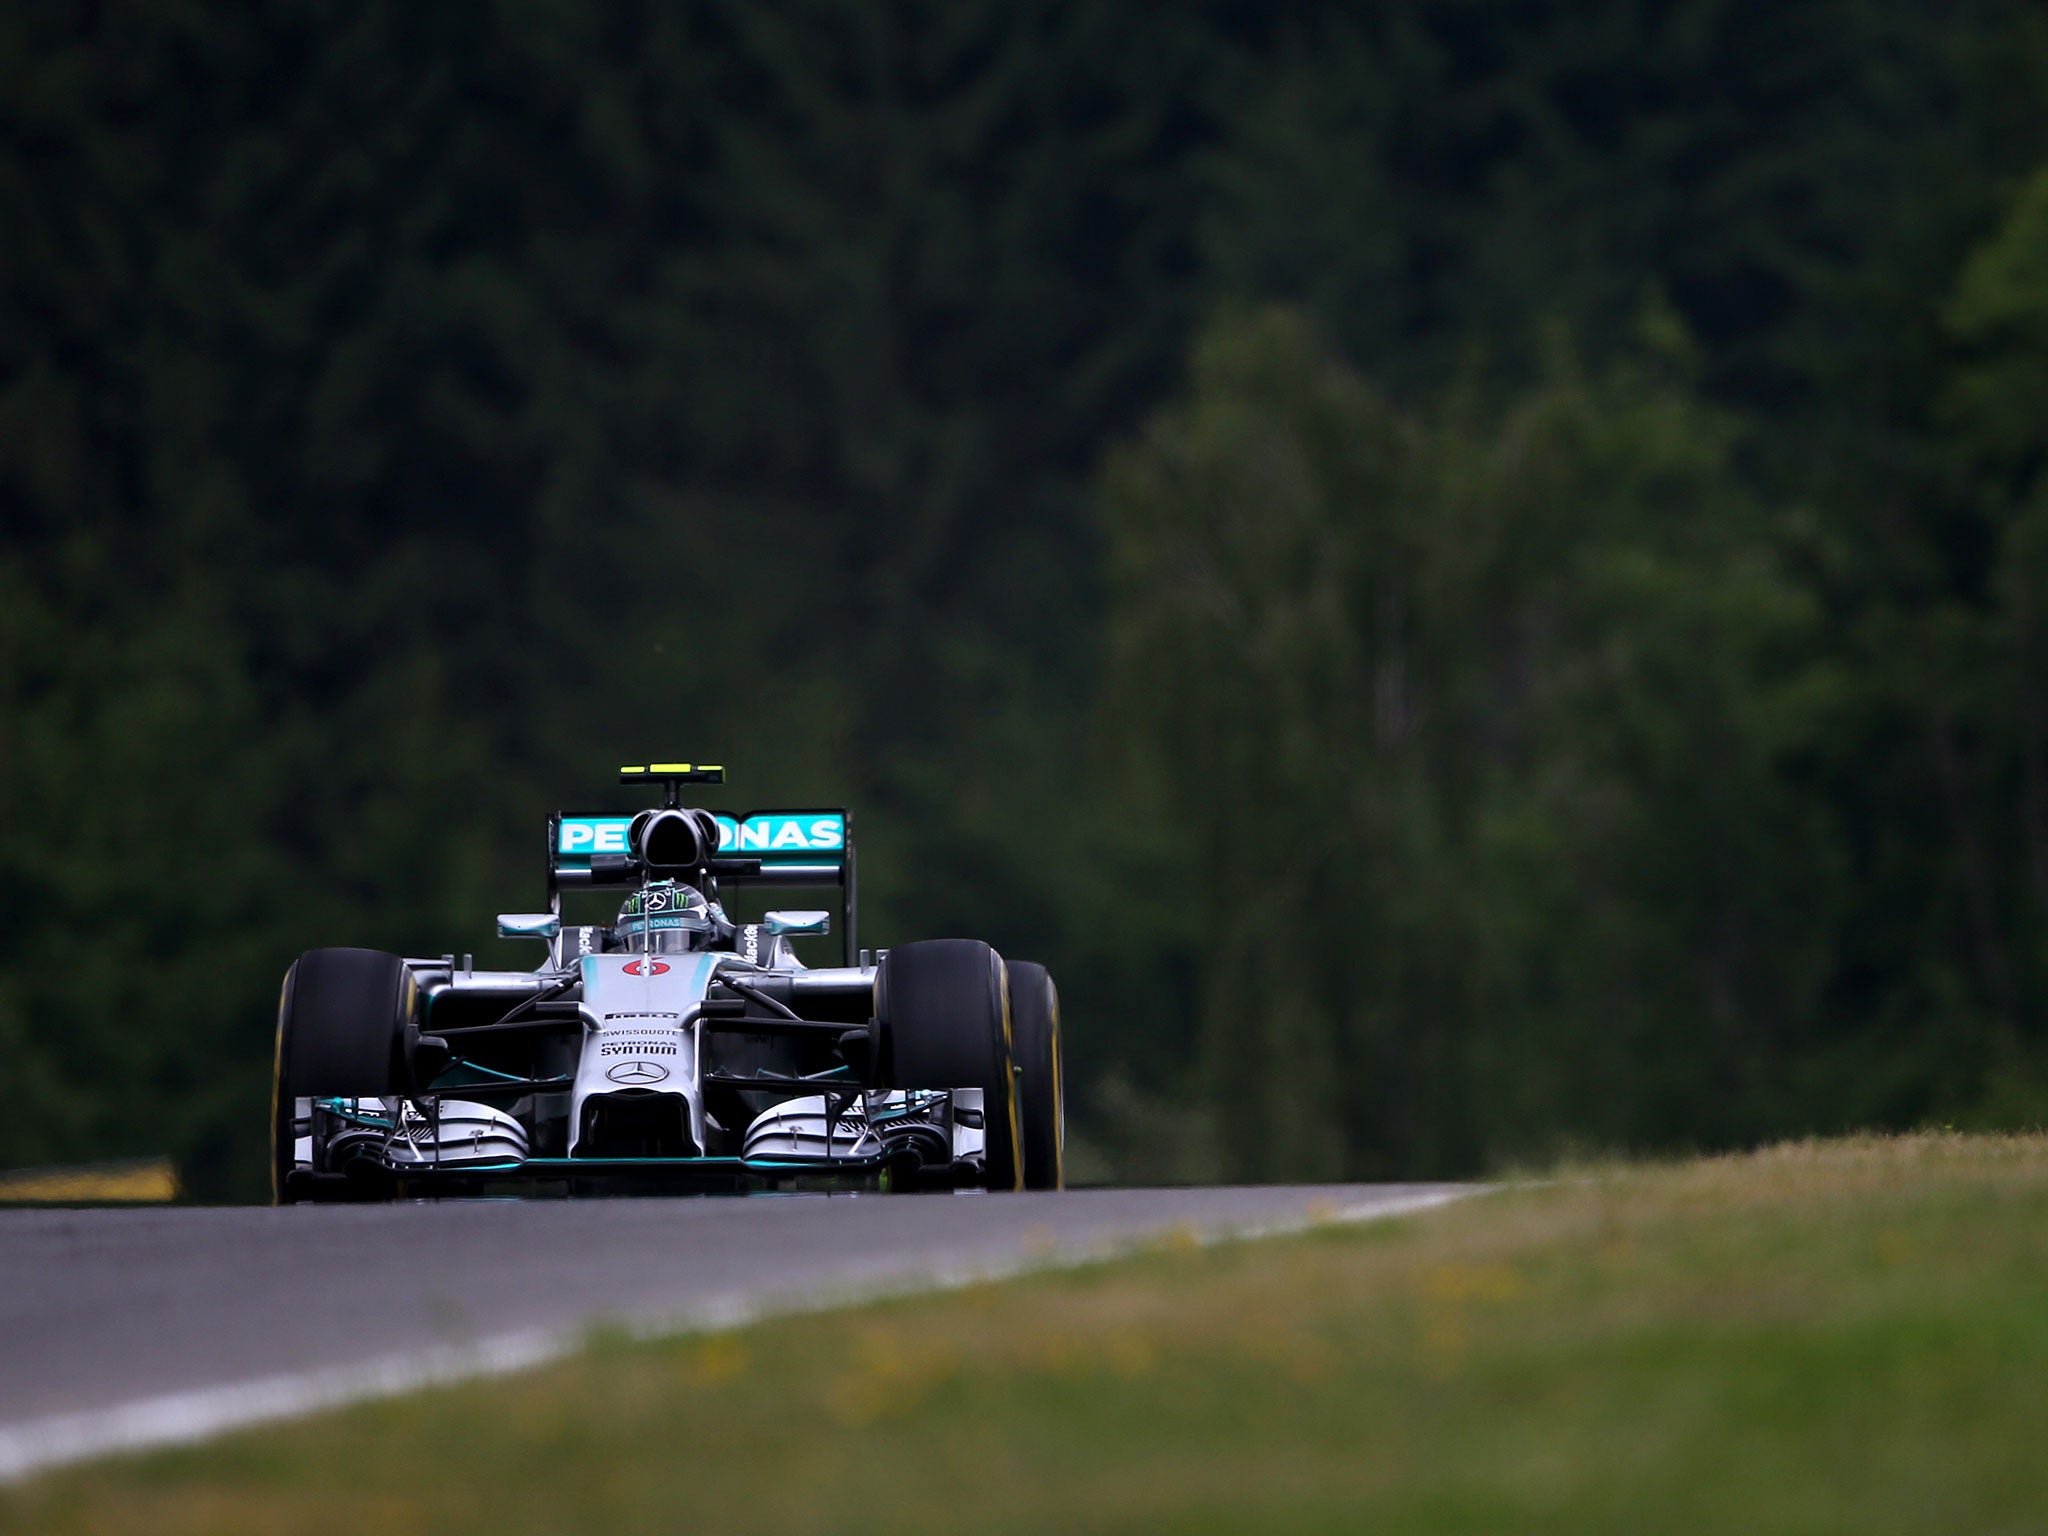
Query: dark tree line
[[1469, 574]]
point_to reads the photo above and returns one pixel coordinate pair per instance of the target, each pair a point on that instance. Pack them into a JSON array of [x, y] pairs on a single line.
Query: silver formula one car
[[674, 1048]]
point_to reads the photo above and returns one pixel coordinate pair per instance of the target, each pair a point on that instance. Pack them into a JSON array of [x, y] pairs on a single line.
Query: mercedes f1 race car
[[674, 1047]]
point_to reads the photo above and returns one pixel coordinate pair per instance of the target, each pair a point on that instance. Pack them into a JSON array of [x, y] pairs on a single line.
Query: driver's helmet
[[665, 916]]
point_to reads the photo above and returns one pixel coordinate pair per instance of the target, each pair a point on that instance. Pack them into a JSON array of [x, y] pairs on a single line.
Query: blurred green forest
[[1469, 573]]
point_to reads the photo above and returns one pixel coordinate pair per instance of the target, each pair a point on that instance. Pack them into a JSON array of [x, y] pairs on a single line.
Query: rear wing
[[774, 848]]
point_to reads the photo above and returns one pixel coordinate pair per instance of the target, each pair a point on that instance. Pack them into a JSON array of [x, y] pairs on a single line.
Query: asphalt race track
[[129, 1327]]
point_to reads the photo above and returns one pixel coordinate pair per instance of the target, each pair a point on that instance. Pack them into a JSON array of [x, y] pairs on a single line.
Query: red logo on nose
[[653, 967]]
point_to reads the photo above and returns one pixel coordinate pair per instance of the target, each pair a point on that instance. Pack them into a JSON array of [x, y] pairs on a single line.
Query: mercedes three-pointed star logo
[[638, 1073]]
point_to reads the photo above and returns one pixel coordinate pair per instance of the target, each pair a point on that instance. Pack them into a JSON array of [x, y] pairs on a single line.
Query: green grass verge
[[1831, 1337]]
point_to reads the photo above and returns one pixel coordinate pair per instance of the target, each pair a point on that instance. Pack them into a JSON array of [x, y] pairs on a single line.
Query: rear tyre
[[1041, 1091], [342, 1025], [944, 1008]]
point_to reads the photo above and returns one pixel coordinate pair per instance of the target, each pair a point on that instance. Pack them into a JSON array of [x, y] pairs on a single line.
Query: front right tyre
[[341, 1033]]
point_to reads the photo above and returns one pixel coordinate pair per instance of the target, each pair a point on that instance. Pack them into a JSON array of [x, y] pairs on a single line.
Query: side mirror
[[529, 925], [780, 923]]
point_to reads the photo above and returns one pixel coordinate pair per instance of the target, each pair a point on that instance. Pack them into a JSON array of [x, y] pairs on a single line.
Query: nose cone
[[637, 1093]]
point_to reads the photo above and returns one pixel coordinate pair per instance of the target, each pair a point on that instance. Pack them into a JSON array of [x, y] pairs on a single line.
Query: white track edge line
[[185, 1418]]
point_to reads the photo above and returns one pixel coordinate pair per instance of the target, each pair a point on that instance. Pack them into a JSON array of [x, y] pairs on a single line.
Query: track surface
[[104, 1308]]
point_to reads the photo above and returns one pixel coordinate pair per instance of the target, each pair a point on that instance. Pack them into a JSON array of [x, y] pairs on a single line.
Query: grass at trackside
[[1831, 1337]]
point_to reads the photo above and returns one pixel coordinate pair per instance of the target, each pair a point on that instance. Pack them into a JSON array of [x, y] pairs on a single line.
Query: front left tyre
[[944, 1007], [342, 1025]]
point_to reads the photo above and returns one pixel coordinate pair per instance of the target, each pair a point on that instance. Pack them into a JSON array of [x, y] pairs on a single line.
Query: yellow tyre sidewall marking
[[1009, 1083]]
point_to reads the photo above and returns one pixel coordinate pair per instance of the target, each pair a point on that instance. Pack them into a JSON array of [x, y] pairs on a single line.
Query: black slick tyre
[[944, 1009], [341, 1033], [1041, 1092]]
